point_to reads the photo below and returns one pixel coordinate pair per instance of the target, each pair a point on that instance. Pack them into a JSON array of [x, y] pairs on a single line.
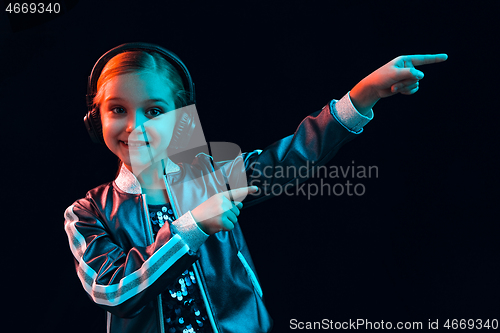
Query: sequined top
[[183, 307]]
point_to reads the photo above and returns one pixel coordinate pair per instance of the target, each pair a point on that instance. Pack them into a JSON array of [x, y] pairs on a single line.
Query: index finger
[[240, 193], [425, 59]]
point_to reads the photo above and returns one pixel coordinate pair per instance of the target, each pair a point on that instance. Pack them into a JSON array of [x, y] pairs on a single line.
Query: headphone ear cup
[[183, 131], [93, 124]]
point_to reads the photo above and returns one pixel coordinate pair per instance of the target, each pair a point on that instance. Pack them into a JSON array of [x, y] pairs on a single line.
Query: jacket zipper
[[150, 240], [205, 299], [195, 269]]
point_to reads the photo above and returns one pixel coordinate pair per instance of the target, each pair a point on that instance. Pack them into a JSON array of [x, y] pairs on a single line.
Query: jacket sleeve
[[289, 161], [120, 281]]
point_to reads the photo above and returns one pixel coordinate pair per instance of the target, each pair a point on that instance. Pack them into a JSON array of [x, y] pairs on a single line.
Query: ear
[[92, 122]]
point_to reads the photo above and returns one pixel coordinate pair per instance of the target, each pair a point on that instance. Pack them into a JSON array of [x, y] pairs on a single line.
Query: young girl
[[159, 248]]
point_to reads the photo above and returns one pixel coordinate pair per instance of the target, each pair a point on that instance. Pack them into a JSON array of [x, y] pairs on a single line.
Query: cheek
[[110, 129], [107, 128], [163, 134]]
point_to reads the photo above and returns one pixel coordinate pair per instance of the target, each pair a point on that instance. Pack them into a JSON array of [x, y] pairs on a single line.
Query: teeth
[[132, 144]]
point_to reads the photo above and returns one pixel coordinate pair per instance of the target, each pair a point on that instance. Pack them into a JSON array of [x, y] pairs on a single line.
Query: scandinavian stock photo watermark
[[365, 324], [333, 180]]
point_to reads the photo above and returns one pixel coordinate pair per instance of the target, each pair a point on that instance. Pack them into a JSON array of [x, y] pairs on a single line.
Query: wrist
[[197, 221], [200, 226], [363, 97]]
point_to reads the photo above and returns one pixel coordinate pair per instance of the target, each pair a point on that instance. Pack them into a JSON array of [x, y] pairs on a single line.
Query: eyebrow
[[148, 100]]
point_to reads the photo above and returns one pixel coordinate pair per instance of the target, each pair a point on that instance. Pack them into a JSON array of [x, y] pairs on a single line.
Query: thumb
[[410, 74]]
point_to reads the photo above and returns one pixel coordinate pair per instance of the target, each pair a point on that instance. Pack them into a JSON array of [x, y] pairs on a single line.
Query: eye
[[118, 110], [155, 112]]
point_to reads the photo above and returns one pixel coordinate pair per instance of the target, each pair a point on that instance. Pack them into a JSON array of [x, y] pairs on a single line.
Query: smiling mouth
[[135, 144]]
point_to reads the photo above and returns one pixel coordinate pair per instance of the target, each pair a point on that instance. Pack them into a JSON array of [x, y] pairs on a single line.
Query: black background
[[420, 244]]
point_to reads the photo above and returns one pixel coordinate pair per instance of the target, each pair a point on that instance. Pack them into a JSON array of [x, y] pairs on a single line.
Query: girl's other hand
[[397, 76], [219, 212]]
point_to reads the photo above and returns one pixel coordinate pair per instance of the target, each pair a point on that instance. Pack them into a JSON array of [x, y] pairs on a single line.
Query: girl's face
[[138, 118]]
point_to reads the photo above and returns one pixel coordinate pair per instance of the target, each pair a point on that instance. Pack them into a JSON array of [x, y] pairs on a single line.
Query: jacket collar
[[127, 182]]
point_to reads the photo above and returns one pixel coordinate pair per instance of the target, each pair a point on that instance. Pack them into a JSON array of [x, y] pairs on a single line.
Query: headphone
[[185, 125]]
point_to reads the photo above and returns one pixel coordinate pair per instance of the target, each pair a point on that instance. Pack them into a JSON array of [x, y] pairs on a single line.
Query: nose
[[135, 127], [134, 122]]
